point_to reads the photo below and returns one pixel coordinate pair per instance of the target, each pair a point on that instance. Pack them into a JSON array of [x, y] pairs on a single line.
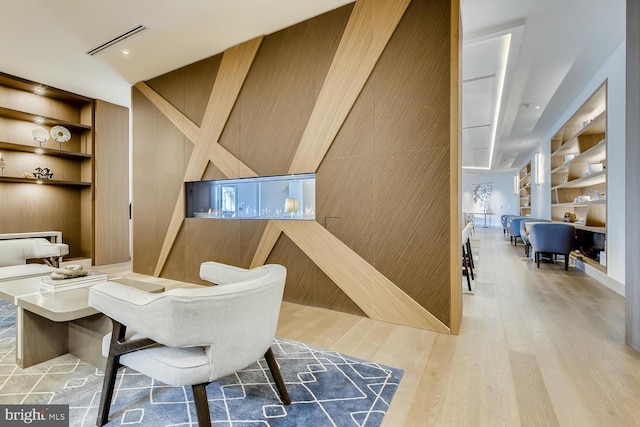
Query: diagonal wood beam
[[269, 239], [370, 26], [376, 295], [179, 120], [220, 156], [233, 70]]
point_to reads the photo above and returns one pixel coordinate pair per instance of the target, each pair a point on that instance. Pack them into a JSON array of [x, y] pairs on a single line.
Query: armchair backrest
[[523, 226], [466, 232], [235, 322], [514, 225], [504, 219], [552, 237]]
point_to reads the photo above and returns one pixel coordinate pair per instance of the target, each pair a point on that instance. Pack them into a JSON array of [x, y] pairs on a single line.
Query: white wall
[[613, 71], [503, 200]]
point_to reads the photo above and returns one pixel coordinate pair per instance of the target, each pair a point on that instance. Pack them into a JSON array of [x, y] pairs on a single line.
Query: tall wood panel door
[[111, 183]]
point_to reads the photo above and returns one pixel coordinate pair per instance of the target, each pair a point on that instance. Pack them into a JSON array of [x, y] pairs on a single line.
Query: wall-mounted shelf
[[31, 117], [584, 182], [93, 218], [524, 186], [579, 173], [17, 180], [8, 146], [591, 262]]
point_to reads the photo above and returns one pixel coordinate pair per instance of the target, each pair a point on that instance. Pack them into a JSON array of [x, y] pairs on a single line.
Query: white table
[[485, 217], [50, 324]]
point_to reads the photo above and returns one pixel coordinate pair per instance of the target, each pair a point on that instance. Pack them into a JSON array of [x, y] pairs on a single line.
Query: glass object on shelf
[[265, 197]]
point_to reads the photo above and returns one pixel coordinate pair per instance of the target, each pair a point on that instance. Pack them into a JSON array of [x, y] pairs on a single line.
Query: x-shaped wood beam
[[370, 27]]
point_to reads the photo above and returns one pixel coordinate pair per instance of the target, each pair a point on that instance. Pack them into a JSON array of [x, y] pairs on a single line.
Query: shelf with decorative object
[[579, 174], [17, 180], [50, 133], [41, 120], [8, 146], [524, 186]]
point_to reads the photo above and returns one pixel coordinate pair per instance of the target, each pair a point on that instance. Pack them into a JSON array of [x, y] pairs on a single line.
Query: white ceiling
[[536, 52]]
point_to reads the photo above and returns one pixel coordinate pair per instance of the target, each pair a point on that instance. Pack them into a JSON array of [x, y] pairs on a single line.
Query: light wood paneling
[[233, 69], [374, 135], [46, 107], [147, 211], [411, 226], [192, 95], [278, 98], [111, 180], [345, 194], [412, 114], [227, 241], [186, 126], [267, 242], [306, 283], [371, 25], [359, 280]]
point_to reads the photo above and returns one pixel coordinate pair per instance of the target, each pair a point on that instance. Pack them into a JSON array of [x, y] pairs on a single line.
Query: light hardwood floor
[[537, 347]]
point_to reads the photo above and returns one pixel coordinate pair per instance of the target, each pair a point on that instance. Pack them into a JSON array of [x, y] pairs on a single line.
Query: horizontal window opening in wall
[[291, 197]]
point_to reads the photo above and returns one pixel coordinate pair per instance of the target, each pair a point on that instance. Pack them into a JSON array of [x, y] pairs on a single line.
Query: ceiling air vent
[[117, 39]]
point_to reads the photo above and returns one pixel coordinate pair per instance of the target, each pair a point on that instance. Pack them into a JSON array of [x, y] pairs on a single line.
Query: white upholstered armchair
[[192, 336]]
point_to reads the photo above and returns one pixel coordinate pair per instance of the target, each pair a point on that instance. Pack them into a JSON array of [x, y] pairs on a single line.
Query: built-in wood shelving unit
[[579, 176]]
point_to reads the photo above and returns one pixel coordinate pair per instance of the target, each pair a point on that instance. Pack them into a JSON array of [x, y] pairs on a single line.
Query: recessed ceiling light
[[527, 105], [39, 120], [125, 52], [39, 90], [39, 151]]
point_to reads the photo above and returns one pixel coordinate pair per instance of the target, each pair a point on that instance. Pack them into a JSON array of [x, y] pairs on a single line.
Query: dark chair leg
[[470, 252], [202, 404], [465, 266], [566, 262], [467, 259], [277, 377], [117, 348], [537, 255], [110, 372]]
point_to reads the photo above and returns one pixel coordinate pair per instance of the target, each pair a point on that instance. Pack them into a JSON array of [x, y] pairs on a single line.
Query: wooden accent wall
[[362, 96]]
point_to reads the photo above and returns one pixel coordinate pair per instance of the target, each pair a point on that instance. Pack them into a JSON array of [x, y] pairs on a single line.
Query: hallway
[[556, 337], [537, 348]]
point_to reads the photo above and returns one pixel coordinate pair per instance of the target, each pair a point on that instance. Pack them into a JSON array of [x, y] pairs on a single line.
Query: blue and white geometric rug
[[326, 389]]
